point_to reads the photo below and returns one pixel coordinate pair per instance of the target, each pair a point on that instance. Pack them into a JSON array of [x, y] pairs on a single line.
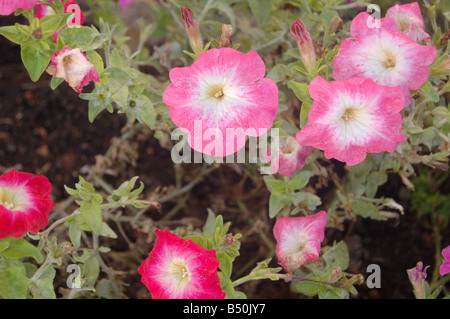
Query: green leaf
[[52, 23], [75, 234], [96, 60], [13, 282], [92, 215], [428, 90], [337, 256], [225, 266], [299, 180], [19, 248], [55, 82], [35, 62], [82, 37], [301, 91], [277, 202], [144, 111], [90, 271], [274, 185], [13, 34], [366, 209], [261, 9], [304, 112]]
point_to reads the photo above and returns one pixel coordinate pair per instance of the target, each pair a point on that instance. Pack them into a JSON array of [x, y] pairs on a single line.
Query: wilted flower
[[73, 66], [9, 6], [180, 269], [305, 44], [351, 118], [445, 267], [385, 55], [409, 20], [225, 38], [192, 30], [222, 94], [25, 203], [43, 10], [299, 239], [291, 156], [417, 276]]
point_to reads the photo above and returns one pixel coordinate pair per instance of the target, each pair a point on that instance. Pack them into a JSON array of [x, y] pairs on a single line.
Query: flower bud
[[192, 30], [305, 44], [417, 276]]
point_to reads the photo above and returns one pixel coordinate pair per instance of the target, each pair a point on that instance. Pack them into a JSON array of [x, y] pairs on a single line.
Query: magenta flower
[[222, 97], [43, 10], [409, 20], [351, 118], [73, 66], [125, 3], [299, 239], [385, 55], [9, 6], [180, 269], [445, 267], [25, 203], [291, 157]]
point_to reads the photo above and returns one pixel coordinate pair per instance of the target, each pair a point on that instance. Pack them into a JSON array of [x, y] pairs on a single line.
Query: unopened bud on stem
[[192, 30], [305, 44]]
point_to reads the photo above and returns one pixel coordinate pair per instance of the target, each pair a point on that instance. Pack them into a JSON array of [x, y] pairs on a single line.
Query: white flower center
[[179, 272], [9, 199]]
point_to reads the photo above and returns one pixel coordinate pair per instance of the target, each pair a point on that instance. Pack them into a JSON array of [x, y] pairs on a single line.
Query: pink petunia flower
[[43, 10], [125, 3], [409, 20], [299, 239], [291, 156], [383, 54], [73, 66], [351, 118], [222, 97], [25, 203], [180, 269], [9, 6], [445, 267]]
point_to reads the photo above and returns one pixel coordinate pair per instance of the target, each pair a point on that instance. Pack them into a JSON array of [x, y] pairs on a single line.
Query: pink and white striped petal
[[299, 239], [220, 96], [351, 118], [385, 55]]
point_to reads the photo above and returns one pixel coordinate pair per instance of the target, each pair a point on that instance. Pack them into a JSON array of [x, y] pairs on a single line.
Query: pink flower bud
[[417, 276], [192, 30], [73, 66], [305, 44]]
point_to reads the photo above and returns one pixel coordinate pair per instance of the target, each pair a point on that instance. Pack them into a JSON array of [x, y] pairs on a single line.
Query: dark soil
[[47, 132]]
